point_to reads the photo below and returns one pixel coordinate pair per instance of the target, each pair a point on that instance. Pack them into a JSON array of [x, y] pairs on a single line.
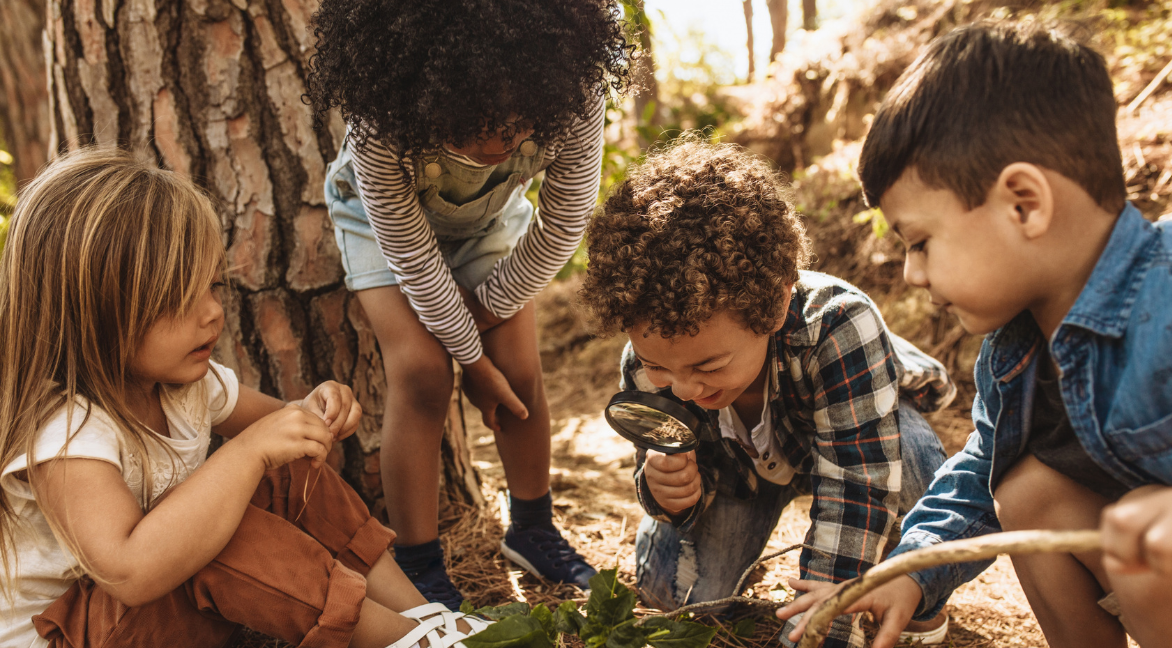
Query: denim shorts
[[470, 259]]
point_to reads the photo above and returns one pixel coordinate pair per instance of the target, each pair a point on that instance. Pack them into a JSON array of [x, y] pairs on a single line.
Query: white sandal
[[438, 625]]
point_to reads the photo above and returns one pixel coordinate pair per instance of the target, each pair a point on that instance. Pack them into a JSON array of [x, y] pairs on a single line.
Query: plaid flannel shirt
[[838, 375]]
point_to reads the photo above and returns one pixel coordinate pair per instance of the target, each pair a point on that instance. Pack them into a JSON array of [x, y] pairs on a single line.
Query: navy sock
[[531, 513], [413, 559]]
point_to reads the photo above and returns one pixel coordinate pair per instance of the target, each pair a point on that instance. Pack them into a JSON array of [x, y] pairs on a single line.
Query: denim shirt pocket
[[475, 218], [1148, 448]]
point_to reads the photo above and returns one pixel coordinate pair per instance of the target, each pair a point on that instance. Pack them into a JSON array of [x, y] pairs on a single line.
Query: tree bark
[[809, 15], [748, 6], [24, 98], [779, 19], [212, 89], [643, 68]]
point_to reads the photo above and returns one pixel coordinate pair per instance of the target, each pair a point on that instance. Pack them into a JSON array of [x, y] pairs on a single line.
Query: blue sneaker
[[433, 583], [542, 551]]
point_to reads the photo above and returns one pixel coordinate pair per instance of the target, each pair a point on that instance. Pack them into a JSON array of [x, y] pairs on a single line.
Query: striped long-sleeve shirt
[[566, 199]]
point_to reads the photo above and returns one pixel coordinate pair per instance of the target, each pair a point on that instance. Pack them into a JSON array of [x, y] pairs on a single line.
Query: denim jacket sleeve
[[958, 504]]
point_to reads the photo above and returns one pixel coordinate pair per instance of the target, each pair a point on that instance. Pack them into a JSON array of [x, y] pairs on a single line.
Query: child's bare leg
[[419, 386], [1063, 589], [524, 445], [387, 585], [1145, 600]]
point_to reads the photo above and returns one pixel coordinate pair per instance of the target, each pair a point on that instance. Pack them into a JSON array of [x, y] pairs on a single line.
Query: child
[[115, 530], [698, 257], [452, 109], [995, 159]]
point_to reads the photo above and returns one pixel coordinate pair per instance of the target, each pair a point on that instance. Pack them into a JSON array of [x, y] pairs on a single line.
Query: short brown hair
[[990, 94], [695, 229]]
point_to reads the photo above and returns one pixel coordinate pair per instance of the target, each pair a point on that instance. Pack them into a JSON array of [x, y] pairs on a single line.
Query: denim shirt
[[1114, 354]]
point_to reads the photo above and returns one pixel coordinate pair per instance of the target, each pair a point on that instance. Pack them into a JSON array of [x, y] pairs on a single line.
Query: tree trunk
[[643, 69], [809, 15], [779, 19], [748, 6], [24, 98], [212, 89]]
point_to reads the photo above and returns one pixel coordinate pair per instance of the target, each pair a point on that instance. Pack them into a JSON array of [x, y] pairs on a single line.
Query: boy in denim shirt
[[996, 161], [698, 257]]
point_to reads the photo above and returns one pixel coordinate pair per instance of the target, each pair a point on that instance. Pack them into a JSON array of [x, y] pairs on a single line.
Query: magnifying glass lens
[[652, 425], [652, 421]]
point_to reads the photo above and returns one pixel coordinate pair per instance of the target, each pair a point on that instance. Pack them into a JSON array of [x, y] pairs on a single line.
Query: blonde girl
[[114, 528]]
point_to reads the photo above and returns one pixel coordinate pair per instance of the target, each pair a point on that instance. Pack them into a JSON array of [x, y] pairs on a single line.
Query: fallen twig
[[987, 546]]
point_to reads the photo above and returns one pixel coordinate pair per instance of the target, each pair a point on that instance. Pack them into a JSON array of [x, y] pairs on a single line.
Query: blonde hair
[[100, 247]]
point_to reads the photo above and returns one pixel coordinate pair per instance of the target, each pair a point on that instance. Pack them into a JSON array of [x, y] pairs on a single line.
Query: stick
[[762, 605], [987, 546], [1150, 89]]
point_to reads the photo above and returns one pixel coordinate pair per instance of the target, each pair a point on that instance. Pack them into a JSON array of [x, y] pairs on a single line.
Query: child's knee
[[1025, 494], [422, 380]]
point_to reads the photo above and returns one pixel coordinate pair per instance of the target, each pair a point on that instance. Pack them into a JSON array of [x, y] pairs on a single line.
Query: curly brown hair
[[694, 229]]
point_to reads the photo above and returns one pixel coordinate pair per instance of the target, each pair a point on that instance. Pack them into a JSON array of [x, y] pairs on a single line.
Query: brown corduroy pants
[[293, 570]]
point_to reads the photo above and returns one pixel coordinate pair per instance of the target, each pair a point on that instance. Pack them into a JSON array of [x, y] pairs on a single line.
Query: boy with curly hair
[[452, 109], [995, 158], [698, 256]]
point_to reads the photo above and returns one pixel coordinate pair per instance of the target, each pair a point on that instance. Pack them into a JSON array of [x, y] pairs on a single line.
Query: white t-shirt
[[769, 461], [45, 568]]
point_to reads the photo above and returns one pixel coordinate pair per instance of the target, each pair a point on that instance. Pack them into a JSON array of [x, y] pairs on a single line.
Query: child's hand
[[487, 388], [674, 480], [484, 318], [337, 407], [1137, 532], [286, 435], [892, 604]]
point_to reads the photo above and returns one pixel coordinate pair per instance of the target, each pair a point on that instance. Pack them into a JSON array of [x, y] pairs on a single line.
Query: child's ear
[[1024, 193]]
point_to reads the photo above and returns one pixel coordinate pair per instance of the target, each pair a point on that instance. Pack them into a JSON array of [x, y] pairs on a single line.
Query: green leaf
[[610, 603], [626, 635], [568, 619], [517, 631], [545, 618], [617, 610], [602, 588], [745, 628], [466, 607], [680, 634], [498, 612]]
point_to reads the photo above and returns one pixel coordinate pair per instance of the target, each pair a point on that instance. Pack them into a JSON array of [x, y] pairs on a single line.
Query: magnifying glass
[[653, 422]]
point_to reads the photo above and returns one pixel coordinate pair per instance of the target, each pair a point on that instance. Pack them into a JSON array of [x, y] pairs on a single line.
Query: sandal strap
[[425, 628], [424, 611]]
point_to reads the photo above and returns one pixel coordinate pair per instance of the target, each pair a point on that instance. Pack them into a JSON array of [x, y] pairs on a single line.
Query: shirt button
[[433, 170], [772, 465], [528, 148]]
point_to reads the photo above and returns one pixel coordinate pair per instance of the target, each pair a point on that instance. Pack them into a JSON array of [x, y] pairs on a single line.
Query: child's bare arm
[[333, 402], [137, 558]]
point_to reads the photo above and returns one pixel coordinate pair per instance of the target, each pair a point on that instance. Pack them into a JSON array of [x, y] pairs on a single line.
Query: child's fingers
[[1123, 530], [514, 404], [488, 417], [350, 424], [891, 624]]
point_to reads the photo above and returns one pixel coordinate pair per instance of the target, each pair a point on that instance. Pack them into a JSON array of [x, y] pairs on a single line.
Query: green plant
[[609, 621]]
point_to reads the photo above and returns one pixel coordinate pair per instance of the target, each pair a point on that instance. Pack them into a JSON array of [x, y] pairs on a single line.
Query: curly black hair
[[418, 73], [695, 229]]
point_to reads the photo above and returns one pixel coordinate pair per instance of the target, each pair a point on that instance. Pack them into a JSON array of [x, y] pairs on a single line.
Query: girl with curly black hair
[[452, 108]]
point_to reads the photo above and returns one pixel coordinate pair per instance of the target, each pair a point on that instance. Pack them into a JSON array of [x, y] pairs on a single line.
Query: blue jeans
[[709, 560]]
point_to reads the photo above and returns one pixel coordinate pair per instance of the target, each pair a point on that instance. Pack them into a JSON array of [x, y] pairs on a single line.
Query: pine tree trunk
[[212, 89], [779, 19], [24, 99]]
